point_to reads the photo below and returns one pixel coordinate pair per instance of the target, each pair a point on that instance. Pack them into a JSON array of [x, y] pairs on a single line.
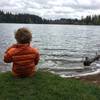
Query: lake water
[[62, 47]]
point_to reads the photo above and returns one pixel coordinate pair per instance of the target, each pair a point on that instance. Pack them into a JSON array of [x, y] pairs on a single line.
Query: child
[[23, 56]]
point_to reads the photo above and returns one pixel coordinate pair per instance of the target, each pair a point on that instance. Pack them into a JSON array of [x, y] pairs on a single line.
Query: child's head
[[23, 35]]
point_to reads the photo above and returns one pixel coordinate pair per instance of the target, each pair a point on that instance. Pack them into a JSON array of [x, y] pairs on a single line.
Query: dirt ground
[[95, 79]]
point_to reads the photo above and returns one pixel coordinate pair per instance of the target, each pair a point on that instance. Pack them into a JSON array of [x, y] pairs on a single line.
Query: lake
[[62, 47]]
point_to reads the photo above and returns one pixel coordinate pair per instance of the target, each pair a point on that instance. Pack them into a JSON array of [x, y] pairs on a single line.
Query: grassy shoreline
[[46, 86]]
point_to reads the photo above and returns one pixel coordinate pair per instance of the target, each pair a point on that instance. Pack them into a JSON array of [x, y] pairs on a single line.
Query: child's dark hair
[[23, 35]]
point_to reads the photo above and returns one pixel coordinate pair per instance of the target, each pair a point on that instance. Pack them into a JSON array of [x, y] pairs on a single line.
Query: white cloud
[[52, 8]]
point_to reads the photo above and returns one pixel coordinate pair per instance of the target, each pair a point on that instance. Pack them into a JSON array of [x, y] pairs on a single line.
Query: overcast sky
[[53, 9]]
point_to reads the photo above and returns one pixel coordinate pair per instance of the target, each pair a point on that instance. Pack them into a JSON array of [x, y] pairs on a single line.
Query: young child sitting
[[23, 56]]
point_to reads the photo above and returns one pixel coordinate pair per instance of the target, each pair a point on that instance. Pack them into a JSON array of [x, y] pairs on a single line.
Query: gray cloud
[[52, 8]]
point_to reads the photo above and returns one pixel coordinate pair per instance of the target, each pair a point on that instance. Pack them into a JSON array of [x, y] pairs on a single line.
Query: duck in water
[[88, 61]]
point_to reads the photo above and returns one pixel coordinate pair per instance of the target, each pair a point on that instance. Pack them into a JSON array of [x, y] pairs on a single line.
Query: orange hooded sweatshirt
[[24, 59]]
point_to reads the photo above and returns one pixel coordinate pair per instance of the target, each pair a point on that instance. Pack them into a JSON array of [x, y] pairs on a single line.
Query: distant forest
[[34, 19]]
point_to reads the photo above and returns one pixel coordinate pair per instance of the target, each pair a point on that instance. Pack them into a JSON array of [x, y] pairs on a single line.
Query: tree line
[[34, 19], [91, 20]]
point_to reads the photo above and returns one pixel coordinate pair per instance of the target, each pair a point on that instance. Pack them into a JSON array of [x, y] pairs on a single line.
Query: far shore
[[53, 24]]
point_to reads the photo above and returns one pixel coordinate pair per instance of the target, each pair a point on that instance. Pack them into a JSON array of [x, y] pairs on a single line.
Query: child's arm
[[37, 57], [7, 58], [13, 46], [8, 54]]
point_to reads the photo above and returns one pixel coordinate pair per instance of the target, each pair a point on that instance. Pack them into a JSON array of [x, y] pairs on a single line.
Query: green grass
[[46, 86]]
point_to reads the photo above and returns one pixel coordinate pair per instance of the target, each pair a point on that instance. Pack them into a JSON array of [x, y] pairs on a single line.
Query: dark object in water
[[88, 61]]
